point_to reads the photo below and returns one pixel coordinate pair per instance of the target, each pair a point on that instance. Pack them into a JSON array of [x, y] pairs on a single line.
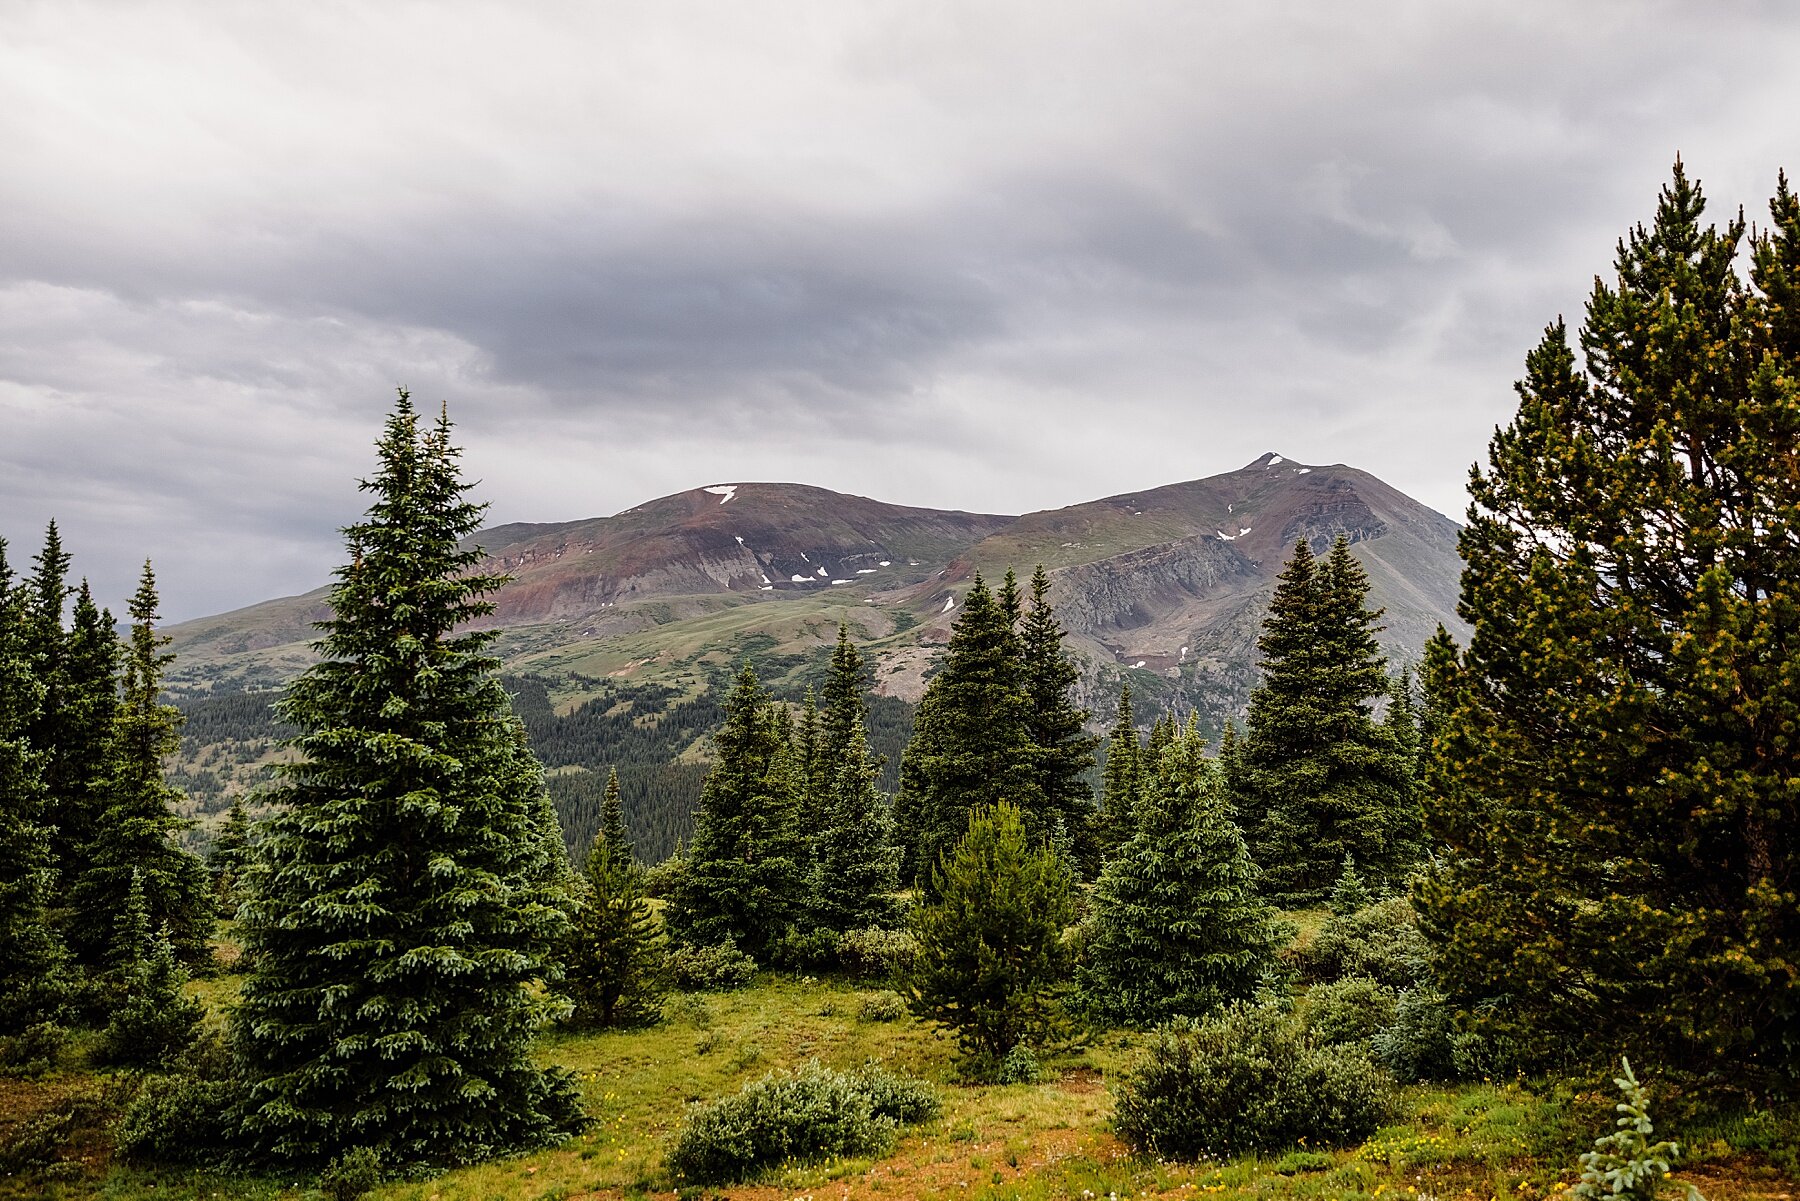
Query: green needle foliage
[[856, 866], [229, 856], [136, 835], [971, 742], [1121, 780], [1625, 1164], [992, 962], [153, 1023], [1613, 776], [401, 914], [616, 959], [1063, 750], [1317, 776], [32, 981], [744, 879], [1178, 928]]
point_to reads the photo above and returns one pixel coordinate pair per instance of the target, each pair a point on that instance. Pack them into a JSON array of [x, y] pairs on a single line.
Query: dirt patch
[[1081, 1081]]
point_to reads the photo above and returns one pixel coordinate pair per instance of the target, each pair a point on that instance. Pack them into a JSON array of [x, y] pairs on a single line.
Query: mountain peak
[[1268, 460]]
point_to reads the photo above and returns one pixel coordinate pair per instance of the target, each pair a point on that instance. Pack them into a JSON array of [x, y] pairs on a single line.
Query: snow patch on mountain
[[724, 492]]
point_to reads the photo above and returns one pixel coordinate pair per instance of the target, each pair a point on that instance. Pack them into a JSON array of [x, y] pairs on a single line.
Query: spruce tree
[[843, 706], [137, 834], [971, 743], [153, 1022], [1318, 777], [1351, 892], [1063, 749], [856, 866], [616, 959], [229, 856], [33, 981], [1613, 778], [399, 921], [810, 773], [745, 874], [87, 707], [1178, 927], [992, 964], [1121, 780]]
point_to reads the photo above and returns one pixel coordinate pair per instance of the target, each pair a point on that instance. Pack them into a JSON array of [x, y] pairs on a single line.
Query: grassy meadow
[[1497, 1139]]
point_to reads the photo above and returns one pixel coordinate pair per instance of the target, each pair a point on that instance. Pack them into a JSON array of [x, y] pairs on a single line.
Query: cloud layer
[[994, 256]]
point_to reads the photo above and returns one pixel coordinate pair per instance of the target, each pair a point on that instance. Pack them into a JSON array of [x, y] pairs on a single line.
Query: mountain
[[619, 629]]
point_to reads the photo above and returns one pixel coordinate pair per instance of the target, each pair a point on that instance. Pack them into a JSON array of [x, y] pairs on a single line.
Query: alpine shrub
[[881, 1007], [1019, 1067], [1247, 1078], [1381, 941], [717, 968], [352, 1175], [1420, 1042], [807, 1115], [1353, 1010], [181, 1118], [876, 953]]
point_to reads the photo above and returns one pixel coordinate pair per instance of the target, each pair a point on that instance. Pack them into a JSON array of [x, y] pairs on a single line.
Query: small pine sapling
[[1626, 1164]]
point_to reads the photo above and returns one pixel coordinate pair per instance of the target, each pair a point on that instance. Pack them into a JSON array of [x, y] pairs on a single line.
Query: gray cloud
[[995, 256]]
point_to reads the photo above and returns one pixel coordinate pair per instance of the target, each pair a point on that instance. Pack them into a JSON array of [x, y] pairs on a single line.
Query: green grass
[[1018, 1142]]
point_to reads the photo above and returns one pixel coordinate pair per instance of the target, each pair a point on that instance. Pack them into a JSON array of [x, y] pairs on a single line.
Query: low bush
[[1248, 1078], [32, 1051], [1354, 1010], [876, 954], [718, 968], [880, 1007], [803, 949], [1420, 1041], [182, 1118], [1020, 1066], [352, 1175], [1380, 941], [803, 1116]]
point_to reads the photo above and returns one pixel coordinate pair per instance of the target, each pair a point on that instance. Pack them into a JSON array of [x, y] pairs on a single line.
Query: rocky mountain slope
[[1165, 588]]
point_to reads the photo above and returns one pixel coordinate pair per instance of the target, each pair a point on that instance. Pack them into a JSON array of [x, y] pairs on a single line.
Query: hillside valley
[[617, 632]]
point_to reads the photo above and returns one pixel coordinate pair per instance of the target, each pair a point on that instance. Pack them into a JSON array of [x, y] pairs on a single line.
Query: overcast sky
[[992, 256]]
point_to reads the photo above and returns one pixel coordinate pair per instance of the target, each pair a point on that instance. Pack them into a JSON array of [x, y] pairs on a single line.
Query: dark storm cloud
[[995, 256]]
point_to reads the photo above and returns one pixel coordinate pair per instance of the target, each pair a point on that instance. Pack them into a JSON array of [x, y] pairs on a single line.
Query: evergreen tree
[[856, 868], [137, 832], [399, 919], [86, 709], [1319, 778], [1056, 725], [229, 856], [1121, 780], [810, 771], [844, 706], [1178, 928], [971, 742], [745, 874], [153, 1023], [1351, 892], [33, 983], [992, 961], [616, 960], [1613, 779]]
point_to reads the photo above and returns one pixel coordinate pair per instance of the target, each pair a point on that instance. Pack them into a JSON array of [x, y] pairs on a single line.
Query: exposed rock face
[[1166, 587]]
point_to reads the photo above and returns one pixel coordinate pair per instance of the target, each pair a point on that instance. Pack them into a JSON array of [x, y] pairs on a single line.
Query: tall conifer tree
[[616, 957], [400, 918], [138, 829], [1063, 749], [32, 977], [1121, 779], [745, 874], [856, 866], [1614, 776], [1319, 778], [88, 707], [1178, 928], [971, 743]]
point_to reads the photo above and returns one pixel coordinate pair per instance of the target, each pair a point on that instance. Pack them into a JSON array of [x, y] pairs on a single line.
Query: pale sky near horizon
[[971, 254]]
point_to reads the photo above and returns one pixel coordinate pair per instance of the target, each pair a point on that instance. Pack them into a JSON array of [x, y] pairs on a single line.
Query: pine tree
[[33, 981], [1121, 780], [810, 772], [992, 961], [745, 873], [616, 958], [1613, 777], [844, 707], [1318, 777], [1178, 928], [87, 708], [153, 1022], [229, 856], [971, 743], [399, 921], [138, 829], [1351, 892], [856, 868], [1057, 726]]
